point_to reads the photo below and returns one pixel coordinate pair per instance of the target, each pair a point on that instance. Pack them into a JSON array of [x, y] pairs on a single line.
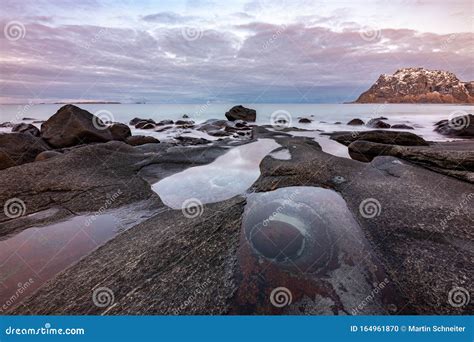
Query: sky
[[247, 51]]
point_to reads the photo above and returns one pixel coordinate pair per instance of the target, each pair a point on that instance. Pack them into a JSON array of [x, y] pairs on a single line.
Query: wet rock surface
[[408, 239], [379, 136]]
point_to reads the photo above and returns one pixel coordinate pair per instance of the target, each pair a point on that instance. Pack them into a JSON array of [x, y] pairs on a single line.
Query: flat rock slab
[[419, 222]]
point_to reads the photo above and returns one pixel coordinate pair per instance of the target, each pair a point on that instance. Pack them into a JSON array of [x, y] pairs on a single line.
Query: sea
[[325, 117]]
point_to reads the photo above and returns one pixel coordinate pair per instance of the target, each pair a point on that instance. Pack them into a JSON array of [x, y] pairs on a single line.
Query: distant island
[[87, 102], [419, 85]]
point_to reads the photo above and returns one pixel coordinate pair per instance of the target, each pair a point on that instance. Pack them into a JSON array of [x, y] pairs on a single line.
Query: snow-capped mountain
[[419, 85]]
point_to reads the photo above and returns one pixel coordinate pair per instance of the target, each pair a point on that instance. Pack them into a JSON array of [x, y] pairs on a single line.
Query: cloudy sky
[[171, 51]]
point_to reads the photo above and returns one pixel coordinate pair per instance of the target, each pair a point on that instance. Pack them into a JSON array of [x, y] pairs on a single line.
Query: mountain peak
[[419, 85]]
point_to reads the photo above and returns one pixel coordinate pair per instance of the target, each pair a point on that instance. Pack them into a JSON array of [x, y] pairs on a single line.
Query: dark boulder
[[137, 140], [377, 123], [165, 122], [356, 122], [6, 125], [401, 126], [19, 148], [134, 121], [144, 125], [72, 126], [460, 126], [241, 113], [185, 116], [382, 137], [120, 131], [26, 128], [304, 120], [453, 159]]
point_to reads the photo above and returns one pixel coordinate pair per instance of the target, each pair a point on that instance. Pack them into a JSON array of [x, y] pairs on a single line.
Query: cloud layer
[[186, 56]]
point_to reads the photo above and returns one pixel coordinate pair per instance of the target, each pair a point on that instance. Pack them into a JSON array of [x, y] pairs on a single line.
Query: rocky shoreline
[[419, 241]]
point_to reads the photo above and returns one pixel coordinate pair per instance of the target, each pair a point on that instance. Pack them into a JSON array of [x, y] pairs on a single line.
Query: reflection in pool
[[306, 240], [229, 175], [35, 255]]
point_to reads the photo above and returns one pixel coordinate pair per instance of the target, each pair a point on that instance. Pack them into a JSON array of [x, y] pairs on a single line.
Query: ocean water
[[324, 116]]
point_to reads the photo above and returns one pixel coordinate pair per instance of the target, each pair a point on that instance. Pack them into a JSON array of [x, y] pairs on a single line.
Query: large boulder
[[401, 126], [377, 123], [459, 126], [382, 137], [120, 131], [454, 159], [241, 113], [72, 126], [356, 122], [26, 128], [19, 148]]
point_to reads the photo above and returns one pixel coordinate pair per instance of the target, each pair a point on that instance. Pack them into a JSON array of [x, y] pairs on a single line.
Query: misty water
[[324, 116]]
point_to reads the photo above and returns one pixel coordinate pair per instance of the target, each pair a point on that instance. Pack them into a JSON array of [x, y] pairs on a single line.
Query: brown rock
[[19, 148], [241, 113], [72, 126], [47, 155], [26, 128]]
